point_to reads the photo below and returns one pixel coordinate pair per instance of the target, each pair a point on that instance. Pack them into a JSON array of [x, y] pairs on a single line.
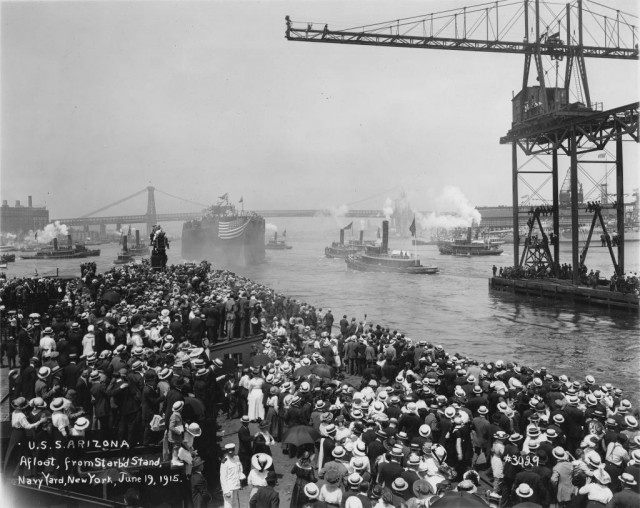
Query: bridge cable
[[182, 199], [115, 203]]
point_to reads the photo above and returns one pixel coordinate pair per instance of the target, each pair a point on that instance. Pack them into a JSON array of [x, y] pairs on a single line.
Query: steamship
[[379, 259], [225, 236], [54, 251], [468, 247], [275, 244], [342, 250]]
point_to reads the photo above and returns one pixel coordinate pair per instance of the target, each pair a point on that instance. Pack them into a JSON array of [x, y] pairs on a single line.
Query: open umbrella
[[305, 370], [322, 370], [301, 435], [111, 296], [260, 360]]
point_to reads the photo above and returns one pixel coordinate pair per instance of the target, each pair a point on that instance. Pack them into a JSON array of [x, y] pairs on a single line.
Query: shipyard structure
[[19, 220]]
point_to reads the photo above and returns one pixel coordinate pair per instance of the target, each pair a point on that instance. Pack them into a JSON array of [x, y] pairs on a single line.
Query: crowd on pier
[[373, 417], [627, 283]]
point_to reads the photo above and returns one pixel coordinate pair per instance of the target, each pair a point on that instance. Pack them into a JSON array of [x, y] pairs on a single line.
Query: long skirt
[[255, 407]]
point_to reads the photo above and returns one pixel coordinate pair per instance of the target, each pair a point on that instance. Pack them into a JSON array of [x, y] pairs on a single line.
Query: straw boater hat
[[19, 403], [44, 372], [311, 491], [524, 490], [177, 406], [193, 429], [354, 480], [559, 453], [57, 404], [82, 423], [399, 485], [628, 479], [261, 461], [339, 452]]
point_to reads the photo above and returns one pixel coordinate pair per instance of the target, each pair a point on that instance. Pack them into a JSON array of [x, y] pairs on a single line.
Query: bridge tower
[[151, 208]]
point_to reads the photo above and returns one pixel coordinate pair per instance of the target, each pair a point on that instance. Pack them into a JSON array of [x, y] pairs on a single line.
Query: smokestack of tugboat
[[361, 236], [385, 236], [469, 235], [137, 238], [55, 244], [70, 241], [124, 243], [342, 237], [275, 237]]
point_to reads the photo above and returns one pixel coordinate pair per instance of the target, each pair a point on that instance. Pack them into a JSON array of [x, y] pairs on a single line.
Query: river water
[[454, 308]]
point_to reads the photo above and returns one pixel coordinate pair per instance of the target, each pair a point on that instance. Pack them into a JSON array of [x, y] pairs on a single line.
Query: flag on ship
[[348, 227], [284, 233], [224, 197], [228, 230], [241, 199], [412, 228]]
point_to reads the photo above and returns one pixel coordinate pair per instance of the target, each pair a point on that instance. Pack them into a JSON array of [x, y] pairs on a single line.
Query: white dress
[[254, 400]]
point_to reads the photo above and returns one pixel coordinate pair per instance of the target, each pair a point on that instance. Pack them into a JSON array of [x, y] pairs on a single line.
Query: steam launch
[[379, 259], [225, 236]]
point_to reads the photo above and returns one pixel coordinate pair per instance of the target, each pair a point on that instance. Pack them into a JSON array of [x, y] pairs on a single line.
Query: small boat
[[7, 258], [275, 244], [3, 266], [70, 252], [342, 250], [379, 259], [468, 247]]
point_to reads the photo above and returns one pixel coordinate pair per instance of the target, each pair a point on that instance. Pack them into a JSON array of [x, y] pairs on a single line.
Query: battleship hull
[[224, 241]]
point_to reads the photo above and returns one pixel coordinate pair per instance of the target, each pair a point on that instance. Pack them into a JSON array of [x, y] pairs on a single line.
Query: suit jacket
[[266, 497], [244, 442]]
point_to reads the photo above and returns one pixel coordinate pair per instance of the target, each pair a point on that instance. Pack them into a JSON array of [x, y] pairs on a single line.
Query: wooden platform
[[554, 289]]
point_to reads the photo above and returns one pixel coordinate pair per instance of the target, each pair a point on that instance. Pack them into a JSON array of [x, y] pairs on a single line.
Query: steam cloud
[[387, 208], [271, 227], [52, 231], [464, 214]]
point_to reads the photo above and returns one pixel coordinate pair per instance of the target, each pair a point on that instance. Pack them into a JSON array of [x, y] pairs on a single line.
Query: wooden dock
[[555, 289]]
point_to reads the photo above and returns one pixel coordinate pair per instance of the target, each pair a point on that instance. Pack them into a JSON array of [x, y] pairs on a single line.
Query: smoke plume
[[52, 231], [387, 208], [463, 214], [272, 228]]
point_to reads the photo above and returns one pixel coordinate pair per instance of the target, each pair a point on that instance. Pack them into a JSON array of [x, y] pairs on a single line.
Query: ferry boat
[[468, 247], [7, 258], [225, 236], [379, 259], [275, 244], [71, 251]]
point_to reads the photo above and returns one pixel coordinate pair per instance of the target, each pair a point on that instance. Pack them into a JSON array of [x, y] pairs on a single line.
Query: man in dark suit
[[266, 497], [245, 448]]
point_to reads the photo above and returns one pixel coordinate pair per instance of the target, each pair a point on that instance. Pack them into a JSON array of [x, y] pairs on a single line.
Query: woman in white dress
[[254, 400]]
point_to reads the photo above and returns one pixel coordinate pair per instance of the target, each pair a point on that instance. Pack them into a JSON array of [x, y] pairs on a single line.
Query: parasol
[[305, 370], [322, 370], [301, 435]]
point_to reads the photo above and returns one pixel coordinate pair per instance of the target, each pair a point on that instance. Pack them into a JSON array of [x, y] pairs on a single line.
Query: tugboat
[[7, 258], [468, 247], [340, 249], [275, 244], [69, 252], [379, 259], [139, 249], [124, 256]]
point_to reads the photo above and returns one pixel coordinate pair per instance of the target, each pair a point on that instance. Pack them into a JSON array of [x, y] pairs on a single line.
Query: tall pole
[[620, 200], [415, 243], [556, 214], [514, 197], [575, 260]]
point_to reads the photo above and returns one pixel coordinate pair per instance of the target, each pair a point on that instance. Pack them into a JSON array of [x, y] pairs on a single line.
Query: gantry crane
[[546, 118]]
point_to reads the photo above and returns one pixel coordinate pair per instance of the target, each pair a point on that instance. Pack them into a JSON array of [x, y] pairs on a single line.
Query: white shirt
[[88, 343]]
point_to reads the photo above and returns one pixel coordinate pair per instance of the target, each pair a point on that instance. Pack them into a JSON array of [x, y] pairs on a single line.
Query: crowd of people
[[373, 417], [401, 422]]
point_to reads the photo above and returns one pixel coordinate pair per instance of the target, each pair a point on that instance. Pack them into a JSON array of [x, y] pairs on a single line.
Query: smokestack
[[342, 237], [275, 237], [468, 235], [385, 236], [55, 244], [69, 241], [137, 238], [17, 203], [30, 202], [124, 243], [361, 236]]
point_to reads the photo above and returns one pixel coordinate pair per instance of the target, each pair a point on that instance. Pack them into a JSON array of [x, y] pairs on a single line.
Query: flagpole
[[415, 243]]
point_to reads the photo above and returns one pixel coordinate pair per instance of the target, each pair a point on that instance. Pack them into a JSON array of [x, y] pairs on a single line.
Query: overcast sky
[[100, 100]]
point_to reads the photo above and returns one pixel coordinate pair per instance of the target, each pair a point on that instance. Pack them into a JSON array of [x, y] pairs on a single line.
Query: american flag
[[228, 230]]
